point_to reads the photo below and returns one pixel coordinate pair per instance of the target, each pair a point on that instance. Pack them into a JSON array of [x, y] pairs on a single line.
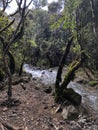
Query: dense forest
[[51, 37]]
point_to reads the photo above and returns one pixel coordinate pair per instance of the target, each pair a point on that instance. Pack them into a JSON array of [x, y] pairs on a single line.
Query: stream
[[48, 76]]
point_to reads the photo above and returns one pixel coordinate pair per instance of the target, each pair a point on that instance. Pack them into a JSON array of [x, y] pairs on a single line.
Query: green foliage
[[87, 31], [4, 21], [33, 43]]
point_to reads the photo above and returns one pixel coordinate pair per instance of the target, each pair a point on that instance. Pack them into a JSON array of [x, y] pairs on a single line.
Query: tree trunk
[[61, 65], [21, 67], [7, 70], [12, 62], [59, 91]]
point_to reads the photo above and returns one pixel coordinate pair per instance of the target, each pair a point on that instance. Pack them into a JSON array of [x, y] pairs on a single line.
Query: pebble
[[5, 109]]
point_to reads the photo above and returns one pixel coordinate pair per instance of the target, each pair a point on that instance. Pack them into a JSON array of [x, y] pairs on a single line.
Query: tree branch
[[62, 62], [7, 26], [21, 23]]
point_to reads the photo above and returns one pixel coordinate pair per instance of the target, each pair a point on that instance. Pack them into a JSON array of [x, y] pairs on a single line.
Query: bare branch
[[11, 15], [21, 22], [29, 4], [20, 8], [5, 4], [7, 26], [19, 3]]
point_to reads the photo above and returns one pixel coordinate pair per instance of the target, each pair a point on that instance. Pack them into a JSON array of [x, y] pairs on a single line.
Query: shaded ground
[[34, 109]]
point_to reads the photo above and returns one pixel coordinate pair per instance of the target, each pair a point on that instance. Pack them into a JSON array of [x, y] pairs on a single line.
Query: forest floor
[[34, 108]]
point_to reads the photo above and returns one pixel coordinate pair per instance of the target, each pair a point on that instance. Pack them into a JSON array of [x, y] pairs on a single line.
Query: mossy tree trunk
[[60, 88]]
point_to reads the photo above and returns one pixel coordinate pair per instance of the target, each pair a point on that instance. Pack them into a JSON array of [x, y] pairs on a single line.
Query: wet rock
[[50, 70], [70, 112], [43, 72], [34, 78], [72, 96]]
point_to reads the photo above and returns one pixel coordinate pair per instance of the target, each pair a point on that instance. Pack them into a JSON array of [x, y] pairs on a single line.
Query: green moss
[[93, 83]]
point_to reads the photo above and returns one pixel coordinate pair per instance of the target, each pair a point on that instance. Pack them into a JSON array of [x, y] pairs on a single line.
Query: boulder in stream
[[72, 96]]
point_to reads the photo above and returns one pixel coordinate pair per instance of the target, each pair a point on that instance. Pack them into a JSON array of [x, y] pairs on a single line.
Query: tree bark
[[7, 70], [59, 91], [62, 63], [21, 67], [59, 73], [12, 63]]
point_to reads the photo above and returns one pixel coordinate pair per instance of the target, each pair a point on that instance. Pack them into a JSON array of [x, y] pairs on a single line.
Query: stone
[[70, 112], [5, 109], [48, 90], [43, 72], [72, 96]]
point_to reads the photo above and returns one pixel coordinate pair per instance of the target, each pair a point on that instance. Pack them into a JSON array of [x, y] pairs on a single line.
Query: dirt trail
[[33, 108]]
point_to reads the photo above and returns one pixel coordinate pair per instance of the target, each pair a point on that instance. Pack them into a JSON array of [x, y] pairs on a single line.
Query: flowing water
[[89, 96], [48, 76], [45, 76]]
